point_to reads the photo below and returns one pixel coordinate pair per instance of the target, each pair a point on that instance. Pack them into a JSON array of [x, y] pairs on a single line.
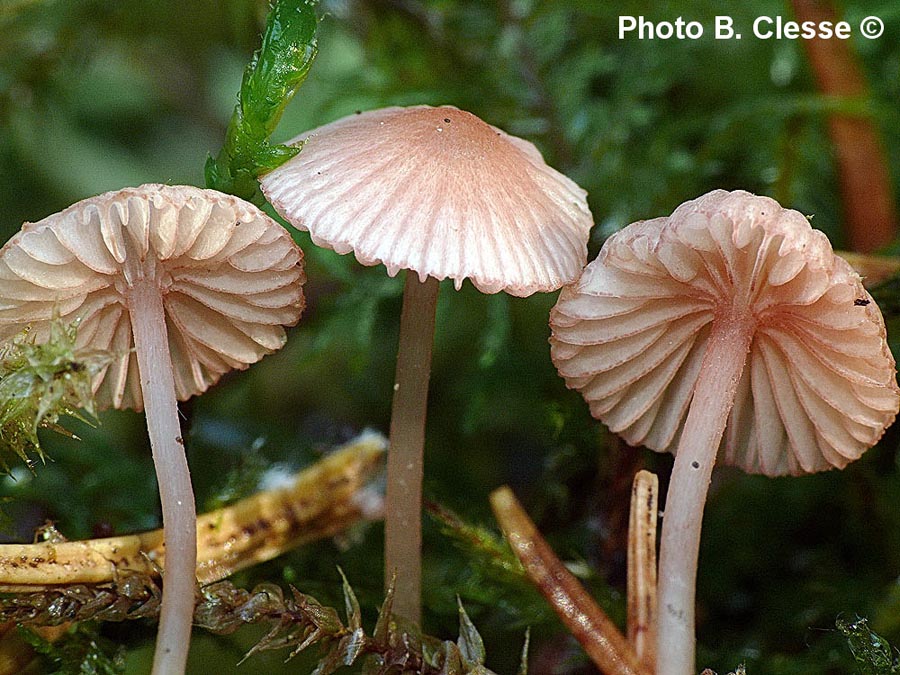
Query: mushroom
[[180, 285], [440, 193], [727, 328]]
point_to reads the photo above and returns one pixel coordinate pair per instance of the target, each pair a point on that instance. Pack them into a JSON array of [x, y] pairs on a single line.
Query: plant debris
[[297, 621]]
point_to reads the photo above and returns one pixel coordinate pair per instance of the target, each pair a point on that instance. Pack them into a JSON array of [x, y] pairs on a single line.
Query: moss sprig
[[872, 653], [271, 79], [492, 575], [297, 621], [81, 650], [41, 382]]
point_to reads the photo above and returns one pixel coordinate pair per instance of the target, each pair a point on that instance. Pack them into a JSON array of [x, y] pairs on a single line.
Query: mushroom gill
[[230, 280], [632, 332]]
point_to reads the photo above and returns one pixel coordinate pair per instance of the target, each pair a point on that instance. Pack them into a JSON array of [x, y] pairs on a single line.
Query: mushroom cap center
[[439, 192]]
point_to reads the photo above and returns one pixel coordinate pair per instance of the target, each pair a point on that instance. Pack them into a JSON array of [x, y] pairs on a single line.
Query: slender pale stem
[[713, 399], [151, 343], [403, 511], [642, 614], [601, 640]]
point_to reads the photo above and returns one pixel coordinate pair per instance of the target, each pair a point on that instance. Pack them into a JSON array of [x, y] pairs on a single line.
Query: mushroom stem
[[403, 512], [179, 515], [720, 372]]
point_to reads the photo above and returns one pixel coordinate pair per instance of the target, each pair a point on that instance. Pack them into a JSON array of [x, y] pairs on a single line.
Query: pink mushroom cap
[[439, 192], [819, 384], [230, 278]]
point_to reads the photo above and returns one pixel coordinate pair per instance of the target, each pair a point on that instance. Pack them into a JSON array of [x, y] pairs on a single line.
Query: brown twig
[[322, 501], [642, 568], [869, 208], [599, 637]]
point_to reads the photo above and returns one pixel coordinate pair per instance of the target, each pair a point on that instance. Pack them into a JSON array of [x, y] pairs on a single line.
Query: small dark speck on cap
[[447, 120], [695, 464], [861, 302]]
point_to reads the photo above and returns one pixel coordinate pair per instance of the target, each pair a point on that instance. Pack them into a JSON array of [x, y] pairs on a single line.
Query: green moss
[[39, 383], [873, 654], [277, 70]]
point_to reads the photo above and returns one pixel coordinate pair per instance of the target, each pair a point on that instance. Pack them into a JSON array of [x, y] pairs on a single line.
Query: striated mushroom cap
[[818, 387], [230, 277], [439, 192]]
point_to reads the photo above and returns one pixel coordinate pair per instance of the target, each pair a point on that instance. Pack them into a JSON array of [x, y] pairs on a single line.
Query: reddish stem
[[870, 211], [403, 508], [179, 513], [720, 372]]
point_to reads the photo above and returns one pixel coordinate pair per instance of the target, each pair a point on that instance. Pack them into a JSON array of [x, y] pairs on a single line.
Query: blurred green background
[[100, 94]]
